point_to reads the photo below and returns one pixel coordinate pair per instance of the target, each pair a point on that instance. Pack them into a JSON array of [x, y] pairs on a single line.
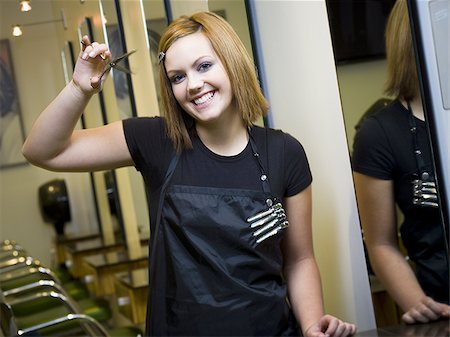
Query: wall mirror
[[156, 20], [68, 64], [125, 106], [235, 12], [104, 182], [114, 37], [358, 37]]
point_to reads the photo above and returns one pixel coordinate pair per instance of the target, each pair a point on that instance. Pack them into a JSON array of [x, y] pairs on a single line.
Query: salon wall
[[39, 78], [360, 85], [303, 91]]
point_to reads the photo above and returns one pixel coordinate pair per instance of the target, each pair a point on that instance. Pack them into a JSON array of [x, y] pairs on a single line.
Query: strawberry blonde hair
[[238, 65]]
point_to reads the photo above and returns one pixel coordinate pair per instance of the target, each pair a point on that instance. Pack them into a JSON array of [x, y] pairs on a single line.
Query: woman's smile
[[204, 99]]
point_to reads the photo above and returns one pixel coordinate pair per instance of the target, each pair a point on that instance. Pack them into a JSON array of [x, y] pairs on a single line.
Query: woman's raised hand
[[93, 59]]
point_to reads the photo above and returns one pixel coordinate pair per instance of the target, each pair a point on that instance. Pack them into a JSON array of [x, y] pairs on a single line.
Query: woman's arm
[[302, 273], [378, 219], [52, 142]]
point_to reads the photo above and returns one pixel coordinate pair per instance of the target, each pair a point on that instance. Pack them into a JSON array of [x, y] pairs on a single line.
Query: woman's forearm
[[396, 274], [53, 129], [305, 292]]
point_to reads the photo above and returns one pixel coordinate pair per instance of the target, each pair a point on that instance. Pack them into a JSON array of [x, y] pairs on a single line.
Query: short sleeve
[[147, 142], [298, 174], [372, 154]]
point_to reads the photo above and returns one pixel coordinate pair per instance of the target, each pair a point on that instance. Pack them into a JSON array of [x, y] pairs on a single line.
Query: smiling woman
[[208, 170]]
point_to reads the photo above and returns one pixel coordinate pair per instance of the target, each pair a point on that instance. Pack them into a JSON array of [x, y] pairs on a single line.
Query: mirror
[[115, 39], [362, 73], [123, 106], [95, 116], [235, 12], [68, 63], [156, 21]]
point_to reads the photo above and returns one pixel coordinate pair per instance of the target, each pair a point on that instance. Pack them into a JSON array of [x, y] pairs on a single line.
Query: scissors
[[114, 64]]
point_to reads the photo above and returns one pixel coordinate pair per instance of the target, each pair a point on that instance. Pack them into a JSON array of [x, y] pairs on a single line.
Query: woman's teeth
[[204, 98]]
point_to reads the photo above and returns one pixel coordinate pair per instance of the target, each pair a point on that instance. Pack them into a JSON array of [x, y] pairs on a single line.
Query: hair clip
[[161, 56]]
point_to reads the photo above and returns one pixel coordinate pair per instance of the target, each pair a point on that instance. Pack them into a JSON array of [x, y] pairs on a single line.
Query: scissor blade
[[124, 56], [122, 69]]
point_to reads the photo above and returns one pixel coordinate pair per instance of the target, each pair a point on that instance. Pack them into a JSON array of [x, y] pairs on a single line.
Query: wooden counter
[[101, 269], [132, 294]]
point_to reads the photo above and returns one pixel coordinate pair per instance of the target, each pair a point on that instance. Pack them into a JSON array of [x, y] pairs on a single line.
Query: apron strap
[[169, 173], [264, 178], [272, 142], [418, 153]]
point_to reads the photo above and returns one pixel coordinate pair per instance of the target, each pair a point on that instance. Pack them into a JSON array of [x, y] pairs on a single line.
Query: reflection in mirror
[[235, 12], [95, 116], [98, 118], [236, 15], [68, 62], [115, 40], [156, 21], [124, 98], [392, 162]]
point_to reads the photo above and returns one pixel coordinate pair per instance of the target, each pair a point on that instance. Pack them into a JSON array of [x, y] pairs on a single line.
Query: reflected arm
[[378, 219]]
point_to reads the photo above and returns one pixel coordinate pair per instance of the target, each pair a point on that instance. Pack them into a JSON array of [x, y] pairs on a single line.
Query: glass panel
[[115, 39], [156, 22], [95, 116], [68, 63], [362, 80], [235, 12]]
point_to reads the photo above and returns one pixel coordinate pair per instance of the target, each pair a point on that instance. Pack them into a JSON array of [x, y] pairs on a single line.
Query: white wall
[[303, 91]]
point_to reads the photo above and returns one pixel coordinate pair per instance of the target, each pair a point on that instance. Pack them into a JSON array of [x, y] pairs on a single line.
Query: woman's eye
[[204, 66], [176, 78]]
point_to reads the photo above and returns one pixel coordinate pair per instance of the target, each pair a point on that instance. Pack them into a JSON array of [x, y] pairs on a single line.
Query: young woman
[[392, 166], [230, 208]]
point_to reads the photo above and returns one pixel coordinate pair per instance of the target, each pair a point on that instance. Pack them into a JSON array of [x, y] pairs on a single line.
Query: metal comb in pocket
[[268, 222]]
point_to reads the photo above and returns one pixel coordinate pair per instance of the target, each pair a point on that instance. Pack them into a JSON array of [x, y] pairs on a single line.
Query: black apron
[[208, 276], [422, 231]]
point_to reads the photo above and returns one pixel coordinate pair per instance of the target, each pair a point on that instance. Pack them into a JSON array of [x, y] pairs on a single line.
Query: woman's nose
[[195, 83]]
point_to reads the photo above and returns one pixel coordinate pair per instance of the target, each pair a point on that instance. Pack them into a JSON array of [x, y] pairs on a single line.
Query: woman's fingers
[[94, 49], [336, 328], [427, 310]]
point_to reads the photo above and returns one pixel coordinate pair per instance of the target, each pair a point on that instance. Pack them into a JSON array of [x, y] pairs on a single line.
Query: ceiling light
[[25, 5], [17, 31]]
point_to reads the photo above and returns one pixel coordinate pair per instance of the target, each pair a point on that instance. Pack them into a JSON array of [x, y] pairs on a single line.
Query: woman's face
[[199, 81]]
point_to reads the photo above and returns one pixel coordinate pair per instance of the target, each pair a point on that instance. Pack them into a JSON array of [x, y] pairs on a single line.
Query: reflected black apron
[[208, 275], [422, 231]]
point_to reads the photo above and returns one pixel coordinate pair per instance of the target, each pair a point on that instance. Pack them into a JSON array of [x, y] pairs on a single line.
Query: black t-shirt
[[384, 148], [152, 152]]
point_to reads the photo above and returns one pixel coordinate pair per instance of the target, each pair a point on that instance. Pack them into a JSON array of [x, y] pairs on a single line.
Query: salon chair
[[56, 323]]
